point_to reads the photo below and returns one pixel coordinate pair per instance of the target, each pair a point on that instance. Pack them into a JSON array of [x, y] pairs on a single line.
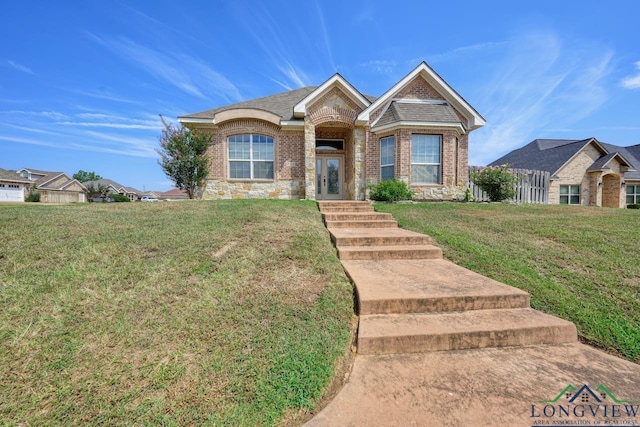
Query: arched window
[[250, 157]]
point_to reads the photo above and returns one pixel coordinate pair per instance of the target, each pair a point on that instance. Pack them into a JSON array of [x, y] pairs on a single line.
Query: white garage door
[[11, 193]]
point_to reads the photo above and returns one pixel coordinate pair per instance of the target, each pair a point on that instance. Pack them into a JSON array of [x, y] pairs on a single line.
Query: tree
[[184, 157], [497, 181], [84, 176]]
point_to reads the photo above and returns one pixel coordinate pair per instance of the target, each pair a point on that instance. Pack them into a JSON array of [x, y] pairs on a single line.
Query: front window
[[387, 158], [569, 194], [250, 157], [633, 194], [425, 159]]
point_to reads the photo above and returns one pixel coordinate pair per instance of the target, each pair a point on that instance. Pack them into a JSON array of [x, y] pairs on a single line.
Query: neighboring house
[[331, 141], [13, 187], [54, 187], [174, 194], [583, 172], [114, 188]]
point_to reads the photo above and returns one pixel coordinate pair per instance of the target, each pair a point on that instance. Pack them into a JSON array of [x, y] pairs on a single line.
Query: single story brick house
[[115, 188], [583, 172], [330, 141]]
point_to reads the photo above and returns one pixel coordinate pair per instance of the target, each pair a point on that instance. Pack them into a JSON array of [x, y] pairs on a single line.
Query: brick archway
[[611, 187]]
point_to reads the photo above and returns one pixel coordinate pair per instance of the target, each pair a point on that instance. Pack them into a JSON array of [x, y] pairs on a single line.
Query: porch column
[[309, 159], [359, 178]]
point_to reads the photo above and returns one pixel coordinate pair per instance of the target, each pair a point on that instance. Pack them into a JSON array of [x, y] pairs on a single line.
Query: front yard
[[221, 313], [581, 264]]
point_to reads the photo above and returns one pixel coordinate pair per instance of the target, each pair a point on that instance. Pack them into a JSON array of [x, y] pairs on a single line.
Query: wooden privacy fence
[[532, 186]]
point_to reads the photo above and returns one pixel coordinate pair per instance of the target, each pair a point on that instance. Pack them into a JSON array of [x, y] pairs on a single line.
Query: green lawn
[[219, 313], [582, 264]]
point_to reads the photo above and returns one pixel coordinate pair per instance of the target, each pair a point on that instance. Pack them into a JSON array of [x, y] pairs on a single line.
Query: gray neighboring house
[[13, 187], [583, 172]]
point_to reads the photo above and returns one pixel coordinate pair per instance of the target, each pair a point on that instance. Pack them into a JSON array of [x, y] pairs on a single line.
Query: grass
[[215, 313], [581, 264]]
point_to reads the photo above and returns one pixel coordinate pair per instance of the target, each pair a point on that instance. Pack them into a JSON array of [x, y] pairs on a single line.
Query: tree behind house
[[184, 157], [84, 176]]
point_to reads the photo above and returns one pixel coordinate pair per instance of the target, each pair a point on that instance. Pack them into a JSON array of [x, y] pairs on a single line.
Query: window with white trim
[[425, 159], [569, 194], [633, 194], [250, 157], [387, 158]]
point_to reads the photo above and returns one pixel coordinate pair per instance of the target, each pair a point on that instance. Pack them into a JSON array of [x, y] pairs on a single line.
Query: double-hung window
[[633, 194], [569, 194], [250, 157], [387, 158], [425, 159]]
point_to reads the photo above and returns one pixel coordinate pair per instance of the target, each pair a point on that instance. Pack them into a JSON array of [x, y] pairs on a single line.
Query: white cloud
[[20, 67], [380, 66], [542, 83], [632, 82], [187, 73]]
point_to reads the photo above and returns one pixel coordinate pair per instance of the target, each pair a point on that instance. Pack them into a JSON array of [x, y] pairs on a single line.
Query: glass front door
[[329, 173]]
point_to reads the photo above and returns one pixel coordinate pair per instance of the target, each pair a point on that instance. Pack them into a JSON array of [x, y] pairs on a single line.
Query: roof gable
[[414, 112], [300, 109], [474, 119]]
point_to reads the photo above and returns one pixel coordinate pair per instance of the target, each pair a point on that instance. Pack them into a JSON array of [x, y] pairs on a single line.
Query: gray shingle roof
[[550, 154], [399, 111], [281, 104], [12, 176], [107, 182], [542, 154]]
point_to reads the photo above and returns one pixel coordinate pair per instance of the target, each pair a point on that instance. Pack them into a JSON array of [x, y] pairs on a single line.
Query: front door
[[329, 177]]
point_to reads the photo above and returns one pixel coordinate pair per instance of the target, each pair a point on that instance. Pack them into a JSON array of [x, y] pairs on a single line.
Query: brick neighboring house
[[54, 187], [583, 172], [330, 141]]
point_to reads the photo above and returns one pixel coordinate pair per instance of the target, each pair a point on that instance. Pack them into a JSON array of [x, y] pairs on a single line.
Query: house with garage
[[331, 141], [583, 172], [54, 187], [13, 187]]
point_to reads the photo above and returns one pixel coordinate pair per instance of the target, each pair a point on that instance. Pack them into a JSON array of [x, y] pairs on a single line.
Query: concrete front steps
[[411, 300]]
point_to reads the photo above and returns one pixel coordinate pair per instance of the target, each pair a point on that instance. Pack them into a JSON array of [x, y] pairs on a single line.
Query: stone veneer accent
[[309, 159], [222, 189]]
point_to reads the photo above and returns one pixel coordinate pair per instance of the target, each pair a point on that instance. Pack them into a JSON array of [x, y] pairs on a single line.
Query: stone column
[[309, 159], [359, 177]]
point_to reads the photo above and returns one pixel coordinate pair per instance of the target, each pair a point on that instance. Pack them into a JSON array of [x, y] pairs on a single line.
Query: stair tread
[[385, 232], [430, 278], [387, 248], [466, 322]]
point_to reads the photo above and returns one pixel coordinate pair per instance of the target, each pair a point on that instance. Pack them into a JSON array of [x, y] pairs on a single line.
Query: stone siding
[[285, 189], [575, 173]]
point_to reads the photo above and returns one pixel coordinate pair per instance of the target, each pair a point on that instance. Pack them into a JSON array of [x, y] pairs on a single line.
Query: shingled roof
[[400, 111], [551, 154], [12, 176]]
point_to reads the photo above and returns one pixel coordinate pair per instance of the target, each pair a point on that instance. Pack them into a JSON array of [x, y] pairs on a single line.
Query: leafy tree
[[184, 157], [94, 191], [84, 176], [497, 181]]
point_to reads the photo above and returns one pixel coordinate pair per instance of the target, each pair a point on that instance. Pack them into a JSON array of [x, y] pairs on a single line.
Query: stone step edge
[[389, 252]]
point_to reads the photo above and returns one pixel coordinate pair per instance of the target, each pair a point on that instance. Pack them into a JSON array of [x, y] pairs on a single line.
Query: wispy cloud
[[102, 95], [20, 67], [266, 32], [325, 35], [185, 72], [380, 66], [632, 82], [461, 51], [543, 82]]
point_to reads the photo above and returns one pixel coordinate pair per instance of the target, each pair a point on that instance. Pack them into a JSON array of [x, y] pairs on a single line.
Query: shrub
[[497, 181], [119, 198], [634, 206], [33, 197], [390, 190]]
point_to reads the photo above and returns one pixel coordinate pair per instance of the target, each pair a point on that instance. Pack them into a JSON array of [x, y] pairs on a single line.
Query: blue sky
[[82, 82]]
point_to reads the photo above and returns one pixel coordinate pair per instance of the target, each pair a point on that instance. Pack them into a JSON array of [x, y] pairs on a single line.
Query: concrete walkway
[[441, 345]]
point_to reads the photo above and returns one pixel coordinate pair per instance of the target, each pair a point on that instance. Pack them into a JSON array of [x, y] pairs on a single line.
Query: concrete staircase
[[412, 300]]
